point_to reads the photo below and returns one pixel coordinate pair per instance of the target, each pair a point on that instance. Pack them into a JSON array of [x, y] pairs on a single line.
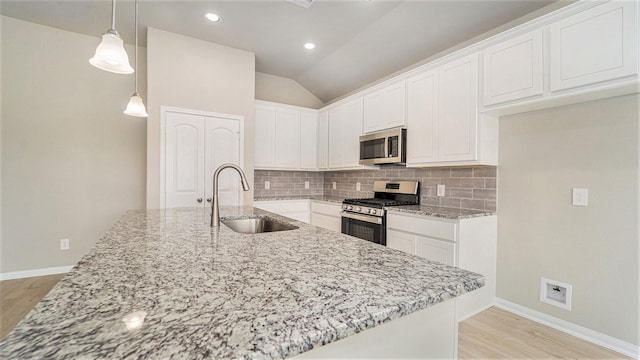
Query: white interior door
[[184, 164], [222, 145]]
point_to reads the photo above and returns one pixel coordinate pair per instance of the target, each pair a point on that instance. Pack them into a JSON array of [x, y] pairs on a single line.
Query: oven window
[[372, 149], [364, 230]]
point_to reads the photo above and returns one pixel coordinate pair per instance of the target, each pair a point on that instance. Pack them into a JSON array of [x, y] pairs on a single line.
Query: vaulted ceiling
[[357, 41]]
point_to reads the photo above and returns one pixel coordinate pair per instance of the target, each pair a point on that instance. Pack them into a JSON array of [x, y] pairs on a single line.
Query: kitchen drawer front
[[401, 241], [326, 221], [422, 226], [326, 208], [283, 205]]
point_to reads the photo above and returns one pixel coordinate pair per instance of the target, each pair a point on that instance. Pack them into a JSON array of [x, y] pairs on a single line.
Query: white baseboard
[[589, 335], [35, 272]]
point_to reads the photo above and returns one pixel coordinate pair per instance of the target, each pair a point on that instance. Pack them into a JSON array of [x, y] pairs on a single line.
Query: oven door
[[370, 228]]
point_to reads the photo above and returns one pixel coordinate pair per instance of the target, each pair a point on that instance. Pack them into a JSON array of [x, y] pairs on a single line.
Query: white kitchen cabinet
[[323, 140], [512, 69], [326, 215], [195, 145], [286, 137], [458, 110], [309, 140], [295, 209], [595, 45], [384, 108], [466, 243], [345, 128], [422, 118], [443, 122]]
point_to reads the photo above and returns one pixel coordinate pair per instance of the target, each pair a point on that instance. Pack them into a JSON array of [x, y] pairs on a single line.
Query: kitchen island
[[163, 284]]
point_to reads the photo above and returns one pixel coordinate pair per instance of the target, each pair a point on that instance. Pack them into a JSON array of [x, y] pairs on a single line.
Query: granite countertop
[[213, 293], [437, 211], [325, 198]]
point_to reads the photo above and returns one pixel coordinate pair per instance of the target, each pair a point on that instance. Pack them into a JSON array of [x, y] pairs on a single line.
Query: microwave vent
[[304, 3]]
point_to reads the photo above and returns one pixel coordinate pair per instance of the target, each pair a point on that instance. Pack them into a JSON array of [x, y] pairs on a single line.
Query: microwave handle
[[389, 146]]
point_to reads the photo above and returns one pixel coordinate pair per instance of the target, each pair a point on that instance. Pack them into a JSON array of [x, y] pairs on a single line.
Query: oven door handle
[[365, 218]]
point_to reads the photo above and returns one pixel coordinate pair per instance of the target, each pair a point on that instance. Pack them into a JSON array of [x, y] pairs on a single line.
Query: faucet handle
[[209, 199], [199, 200]]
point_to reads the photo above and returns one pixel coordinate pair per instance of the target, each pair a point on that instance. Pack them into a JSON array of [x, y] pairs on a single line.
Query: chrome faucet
[[215, 208]]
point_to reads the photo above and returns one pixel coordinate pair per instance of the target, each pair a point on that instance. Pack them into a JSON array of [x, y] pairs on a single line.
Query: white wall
[[194, 74], [72, 162], [543, 155], [285, 91]]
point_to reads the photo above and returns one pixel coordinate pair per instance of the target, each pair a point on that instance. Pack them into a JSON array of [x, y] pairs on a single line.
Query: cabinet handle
[[209, 199], [199, 200]]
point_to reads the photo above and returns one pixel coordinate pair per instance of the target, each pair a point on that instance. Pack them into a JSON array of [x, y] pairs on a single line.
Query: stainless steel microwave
[[384, 147]]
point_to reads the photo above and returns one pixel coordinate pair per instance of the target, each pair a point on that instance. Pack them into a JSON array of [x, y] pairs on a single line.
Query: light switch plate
[[440, 190], [358, 186], [334, 185], [306, 184], [580, 197], [267, 185]]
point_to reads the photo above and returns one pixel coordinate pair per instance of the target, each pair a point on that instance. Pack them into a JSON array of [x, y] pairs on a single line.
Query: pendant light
[[136, 106], [110, 54]]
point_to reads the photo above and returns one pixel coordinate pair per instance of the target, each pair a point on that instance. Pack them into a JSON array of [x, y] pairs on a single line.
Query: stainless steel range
[[366, 218]]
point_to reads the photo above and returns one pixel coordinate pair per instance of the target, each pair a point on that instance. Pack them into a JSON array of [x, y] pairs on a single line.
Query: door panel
[[184, 160], [223, 146]]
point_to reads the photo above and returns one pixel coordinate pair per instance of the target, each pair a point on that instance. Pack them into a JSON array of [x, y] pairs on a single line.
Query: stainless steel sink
[[255, 225]]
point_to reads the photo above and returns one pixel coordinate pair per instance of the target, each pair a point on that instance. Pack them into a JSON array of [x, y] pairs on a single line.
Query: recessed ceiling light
[[309, 46], [213, 17]]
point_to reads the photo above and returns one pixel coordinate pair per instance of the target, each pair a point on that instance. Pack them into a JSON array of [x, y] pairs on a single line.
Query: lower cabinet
[[295, 209], [326, 215], [469, 244]]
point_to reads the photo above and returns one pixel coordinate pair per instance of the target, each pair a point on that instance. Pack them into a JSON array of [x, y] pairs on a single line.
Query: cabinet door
[[422, 118], [372, 112], [287, 138], [222, 145], [323, 140], [513, 69], [184, 161], [394, 105], [337, 118], [401, 241], [458, 120], [265, 137], [352, 132], [595, 45], [436, 250], [308, 141]]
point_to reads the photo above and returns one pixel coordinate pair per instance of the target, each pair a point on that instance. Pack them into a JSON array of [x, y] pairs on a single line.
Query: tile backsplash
[[465, 187]]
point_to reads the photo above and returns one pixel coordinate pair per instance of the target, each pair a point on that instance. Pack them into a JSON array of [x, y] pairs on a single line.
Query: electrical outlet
[[334, 185], [580, 197], [306, 184], [267, 185], [440, 190], [358, 186], [64, 244]]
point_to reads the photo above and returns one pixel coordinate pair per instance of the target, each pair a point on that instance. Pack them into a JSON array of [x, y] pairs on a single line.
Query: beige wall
[[72, 162], [194, 74], [543, 155], [284, 91]]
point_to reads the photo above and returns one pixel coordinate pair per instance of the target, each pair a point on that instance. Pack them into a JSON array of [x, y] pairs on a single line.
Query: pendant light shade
[[110, 54], [136, 106]]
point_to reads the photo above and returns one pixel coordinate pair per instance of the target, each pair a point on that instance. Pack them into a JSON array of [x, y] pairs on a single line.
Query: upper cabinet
[[512, 70], [595, 45], [285, 137], [323, 140], [443, 125], [345, 128], [384, 108]]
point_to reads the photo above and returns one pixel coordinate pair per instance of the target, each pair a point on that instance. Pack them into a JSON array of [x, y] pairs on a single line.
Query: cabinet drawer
[[436, 250], [423, 226], [325, 208], [325, 221], [401, 241], [283, 206]]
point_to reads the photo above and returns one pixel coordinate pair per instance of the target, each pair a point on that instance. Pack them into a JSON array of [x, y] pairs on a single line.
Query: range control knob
[[349, 207], [359, 209], [374, 211]]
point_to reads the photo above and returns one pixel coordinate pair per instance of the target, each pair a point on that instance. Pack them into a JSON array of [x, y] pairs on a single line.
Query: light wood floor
[[492, 334]]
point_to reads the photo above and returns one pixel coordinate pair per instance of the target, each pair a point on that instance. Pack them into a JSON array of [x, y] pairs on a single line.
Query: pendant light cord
[[136, 49], [113, 14]]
